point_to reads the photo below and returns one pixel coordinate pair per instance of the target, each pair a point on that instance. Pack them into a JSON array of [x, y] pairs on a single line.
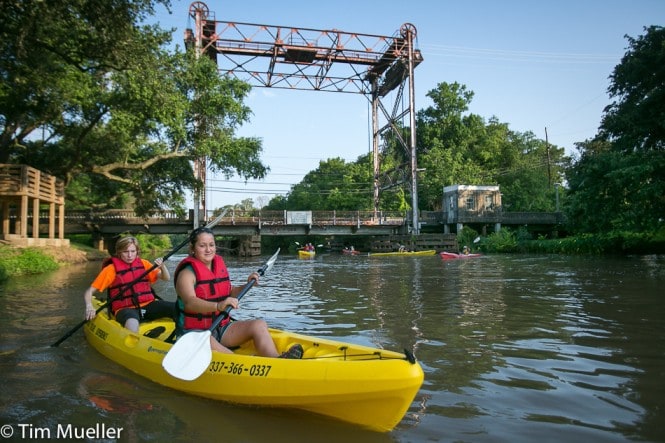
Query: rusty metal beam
[[319, 60]]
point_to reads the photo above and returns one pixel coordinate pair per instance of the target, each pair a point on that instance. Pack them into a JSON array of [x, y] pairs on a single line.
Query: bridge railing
[[240, 217], [259, 218], [319, 218]]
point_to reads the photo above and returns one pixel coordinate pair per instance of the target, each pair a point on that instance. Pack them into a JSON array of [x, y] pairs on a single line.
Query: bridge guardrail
[[86, 220], [242, 217]]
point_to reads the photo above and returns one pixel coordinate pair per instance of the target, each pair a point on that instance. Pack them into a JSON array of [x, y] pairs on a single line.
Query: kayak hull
[[306, 254], [403, 254], [366, 386], [453, 256]]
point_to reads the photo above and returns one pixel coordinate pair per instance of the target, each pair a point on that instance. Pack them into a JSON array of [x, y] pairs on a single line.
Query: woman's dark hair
[[198, 231]]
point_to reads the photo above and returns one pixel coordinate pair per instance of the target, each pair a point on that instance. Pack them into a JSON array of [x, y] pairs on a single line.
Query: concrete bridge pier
[[103, 242], [249, 246], [98, 241]]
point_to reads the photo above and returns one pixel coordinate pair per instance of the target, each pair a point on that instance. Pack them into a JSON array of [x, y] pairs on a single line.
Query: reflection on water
[[514, 348]]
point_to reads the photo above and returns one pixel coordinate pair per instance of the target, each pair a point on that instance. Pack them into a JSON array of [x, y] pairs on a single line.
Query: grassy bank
[[621, 243], [25, 261]]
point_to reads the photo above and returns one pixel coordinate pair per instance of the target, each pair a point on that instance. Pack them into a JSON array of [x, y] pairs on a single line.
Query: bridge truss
[[324, 60]]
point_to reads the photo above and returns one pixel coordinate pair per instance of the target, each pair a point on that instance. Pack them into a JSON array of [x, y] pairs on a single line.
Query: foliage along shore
[[16, 261], [33, 260], [24, 261], [613, 243]]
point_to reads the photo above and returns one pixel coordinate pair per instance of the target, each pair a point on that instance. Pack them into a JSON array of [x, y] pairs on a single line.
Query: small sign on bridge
[[299, 217]]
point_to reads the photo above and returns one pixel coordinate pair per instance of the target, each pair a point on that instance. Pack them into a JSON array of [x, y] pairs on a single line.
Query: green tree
[[459, 148], [334, 185], [48, 47], [131, 117], [617, 182]]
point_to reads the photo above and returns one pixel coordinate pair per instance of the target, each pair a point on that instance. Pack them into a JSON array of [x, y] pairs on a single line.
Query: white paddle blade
[[190, 356]]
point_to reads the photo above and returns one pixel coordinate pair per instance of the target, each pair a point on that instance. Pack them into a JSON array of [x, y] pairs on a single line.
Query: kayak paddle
[[191, 354]]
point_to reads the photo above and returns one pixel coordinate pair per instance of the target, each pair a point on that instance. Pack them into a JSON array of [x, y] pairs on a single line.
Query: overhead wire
[[517, 55], [435, 50]]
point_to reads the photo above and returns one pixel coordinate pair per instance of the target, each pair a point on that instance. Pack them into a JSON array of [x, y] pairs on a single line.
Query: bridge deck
[[259, 222]]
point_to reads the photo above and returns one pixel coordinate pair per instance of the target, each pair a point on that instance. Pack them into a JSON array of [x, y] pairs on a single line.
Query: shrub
[[22, 261]]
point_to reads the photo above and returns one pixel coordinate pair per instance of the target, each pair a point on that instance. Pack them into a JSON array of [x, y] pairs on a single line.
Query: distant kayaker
[[466, 250], [130, 293], [204, 291]]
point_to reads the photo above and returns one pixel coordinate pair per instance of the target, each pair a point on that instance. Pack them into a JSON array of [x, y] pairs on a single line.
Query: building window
[[488, 202], [470, 203], [451, 203]]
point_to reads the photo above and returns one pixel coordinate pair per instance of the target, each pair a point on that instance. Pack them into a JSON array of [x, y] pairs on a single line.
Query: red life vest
[[133, 295], [211, 285]]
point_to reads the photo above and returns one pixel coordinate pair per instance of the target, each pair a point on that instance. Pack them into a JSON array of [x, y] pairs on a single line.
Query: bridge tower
[[379, 67]]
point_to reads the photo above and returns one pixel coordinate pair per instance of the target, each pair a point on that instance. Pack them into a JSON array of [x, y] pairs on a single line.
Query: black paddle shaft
[[262, 270]]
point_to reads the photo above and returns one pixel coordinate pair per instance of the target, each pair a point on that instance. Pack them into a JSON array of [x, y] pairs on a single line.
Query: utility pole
[[549, 169], [200, 13], [410, 31]]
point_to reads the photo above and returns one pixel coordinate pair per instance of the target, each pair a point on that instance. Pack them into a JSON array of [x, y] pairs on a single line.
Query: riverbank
[[24, 261]]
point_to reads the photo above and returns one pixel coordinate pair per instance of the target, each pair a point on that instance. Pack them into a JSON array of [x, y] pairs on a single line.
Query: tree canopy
[[456, 147], [617, 182], [453, 147], [94, 97], [334, 185]]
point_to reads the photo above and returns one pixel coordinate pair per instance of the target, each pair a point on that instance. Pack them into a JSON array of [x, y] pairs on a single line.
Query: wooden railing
[[26, 181]]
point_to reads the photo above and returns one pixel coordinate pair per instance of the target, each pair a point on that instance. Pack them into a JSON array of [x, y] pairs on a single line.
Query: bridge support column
[[98, 242], [249, 246], [103, 243]]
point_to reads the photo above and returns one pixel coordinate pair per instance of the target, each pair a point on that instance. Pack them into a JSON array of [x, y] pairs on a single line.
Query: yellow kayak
[[306, 254], [404, 253], [370, 387]]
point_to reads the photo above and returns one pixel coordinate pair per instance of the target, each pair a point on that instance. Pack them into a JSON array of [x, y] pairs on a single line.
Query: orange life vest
[[134, 294]]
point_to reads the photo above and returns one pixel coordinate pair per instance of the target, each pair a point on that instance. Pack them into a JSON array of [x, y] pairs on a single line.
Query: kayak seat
[[155, 332]]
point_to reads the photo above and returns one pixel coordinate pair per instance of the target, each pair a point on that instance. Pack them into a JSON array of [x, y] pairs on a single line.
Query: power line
[[516, 55]]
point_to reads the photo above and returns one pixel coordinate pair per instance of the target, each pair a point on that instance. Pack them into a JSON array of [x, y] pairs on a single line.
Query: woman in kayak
[[129, 283], [204, 292]]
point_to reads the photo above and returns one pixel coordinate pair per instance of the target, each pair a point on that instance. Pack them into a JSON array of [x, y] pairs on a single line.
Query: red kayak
[[350, 252], [453, 256]]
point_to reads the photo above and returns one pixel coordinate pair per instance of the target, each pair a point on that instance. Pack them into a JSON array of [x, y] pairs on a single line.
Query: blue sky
[[531, 64]]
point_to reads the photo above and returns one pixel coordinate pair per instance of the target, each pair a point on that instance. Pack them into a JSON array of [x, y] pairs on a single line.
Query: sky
[[538, 66]]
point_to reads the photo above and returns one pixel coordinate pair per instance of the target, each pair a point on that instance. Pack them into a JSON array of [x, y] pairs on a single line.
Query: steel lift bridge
[[324, 60]]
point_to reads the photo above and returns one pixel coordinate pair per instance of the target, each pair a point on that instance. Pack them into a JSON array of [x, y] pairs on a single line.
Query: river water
[[514, 348]]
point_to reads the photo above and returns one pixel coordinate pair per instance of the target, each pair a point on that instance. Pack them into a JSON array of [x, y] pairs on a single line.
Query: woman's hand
[[253, 276], [229, 301]]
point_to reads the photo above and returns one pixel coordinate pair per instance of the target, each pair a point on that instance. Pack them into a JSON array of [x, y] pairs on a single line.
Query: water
[[514, 348]]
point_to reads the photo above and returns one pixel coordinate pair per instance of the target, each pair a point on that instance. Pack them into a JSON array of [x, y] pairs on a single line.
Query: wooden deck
[[24, 193]]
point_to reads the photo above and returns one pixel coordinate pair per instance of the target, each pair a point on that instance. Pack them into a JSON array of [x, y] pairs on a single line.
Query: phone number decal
[[239, 369]]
